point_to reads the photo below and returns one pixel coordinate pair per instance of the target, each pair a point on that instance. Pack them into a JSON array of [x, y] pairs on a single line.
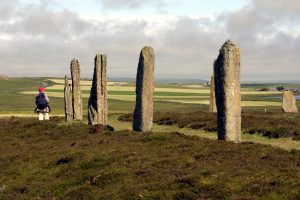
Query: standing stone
[[97, 108], [76, 90], [212, 105], [289, 102], [68, 101], [143, 113], [228, 94]]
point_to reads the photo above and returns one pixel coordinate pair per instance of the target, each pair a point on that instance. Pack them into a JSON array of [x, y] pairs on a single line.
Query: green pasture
[[17, 96], [170, 95]]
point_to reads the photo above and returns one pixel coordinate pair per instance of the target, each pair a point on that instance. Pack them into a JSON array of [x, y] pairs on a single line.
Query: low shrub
[[65, 161], [273, 125]]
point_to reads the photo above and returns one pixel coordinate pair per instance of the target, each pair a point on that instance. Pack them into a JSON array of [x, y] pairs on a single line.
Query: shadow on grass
[[271, 125]]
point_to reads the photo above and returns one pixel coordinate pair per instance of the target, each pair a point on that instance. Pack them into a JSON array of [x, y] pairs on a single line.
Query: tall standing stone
[[228, 94], [97, 108], [68, 101], [143, 113], [289, 102], [76, 90], [212, 105]]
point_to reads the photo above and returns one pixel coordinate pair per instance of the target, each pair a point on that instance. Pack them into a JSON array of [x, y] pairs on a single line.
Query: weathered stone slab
[[212, 103], [227, 90], [97, 107], [143, 113], [289, 102], [68, 101], [76, 90]]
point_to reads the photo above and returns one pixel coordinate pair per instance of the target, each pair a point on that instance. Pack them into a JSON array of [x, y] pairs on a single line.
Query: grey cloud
[[130, 3], [266, 49], [38, 20], [8, 8], [281, 7], [188, 49], [43, 42]]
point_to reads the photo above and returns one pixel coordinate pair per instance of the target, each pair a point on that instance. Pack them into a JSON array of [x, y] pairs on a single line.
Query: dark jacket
[[45, 110]]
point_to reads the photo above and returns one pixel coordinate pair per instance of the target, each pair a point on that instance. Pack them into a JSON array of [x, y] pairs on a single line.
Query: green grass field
[[169, 94]]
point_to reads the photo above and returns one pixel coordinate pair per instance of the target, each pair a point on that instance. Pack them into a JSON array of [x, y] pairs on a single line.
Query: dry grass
[[174, 99], [283, 143], [85, 83], [176, 89], [275, 128], [132, 88], [170, 94], [196, 86], [55, 160], [62, 81]]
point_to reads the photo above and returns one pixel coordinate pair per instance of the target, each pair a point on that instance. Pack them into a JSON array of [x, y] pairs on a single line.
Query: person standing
[[42, 104]]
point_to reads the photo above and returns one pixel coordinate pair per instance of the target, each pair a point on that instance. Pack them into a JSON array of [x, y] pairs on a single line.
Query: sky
[[41, 37]]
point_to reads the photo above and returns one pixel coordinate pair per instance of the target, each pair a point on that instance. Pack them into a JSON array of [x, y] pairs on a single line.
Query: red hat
[[41, 89]]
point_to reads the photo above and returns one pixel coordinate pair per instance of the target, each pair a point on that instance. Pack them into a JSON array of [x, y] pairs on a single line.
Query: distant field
[[184, 94], [175, 99], [177, 89], [17, 96], [132, 88], [83, 83]]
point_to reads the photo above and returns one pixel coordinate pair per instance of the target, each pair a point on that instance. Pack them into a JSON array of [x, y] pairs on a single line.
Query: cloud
[[268, 44], [37, 40], [188, 47], [42, 42], [278, 7], [7, 9], [132, 4]]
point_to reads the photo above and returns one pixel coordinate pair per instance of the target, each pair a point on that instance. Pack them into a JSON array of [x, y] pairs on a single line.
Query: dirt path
[[283, 143]]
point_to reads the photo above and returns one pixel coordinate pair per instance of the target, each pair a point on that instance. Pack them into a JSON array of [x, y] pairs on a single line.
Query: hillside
[[47, 160]]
